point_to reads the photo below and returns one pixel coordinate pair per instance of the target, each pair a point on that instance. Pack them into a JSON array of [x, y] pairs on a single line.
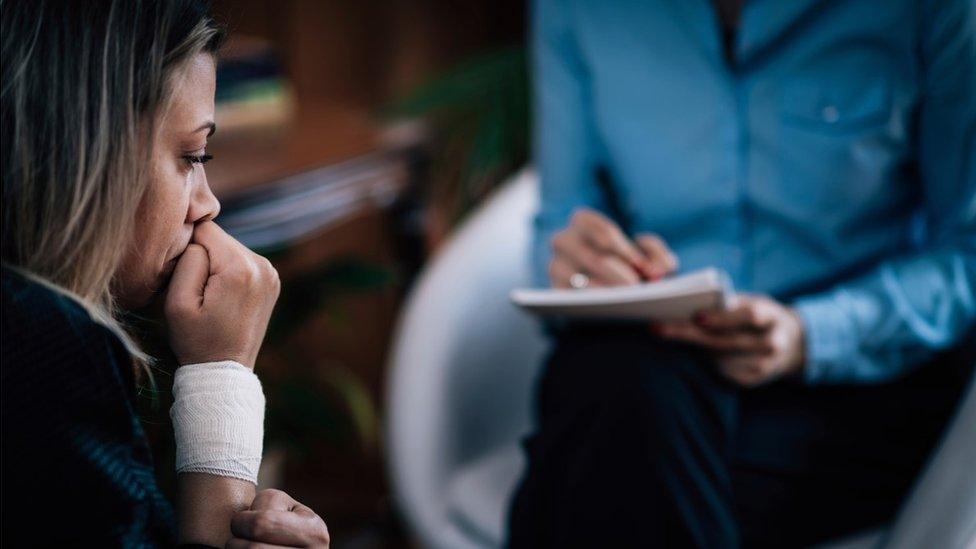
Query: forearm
[[206, 503], [874, 328], [218, 416]]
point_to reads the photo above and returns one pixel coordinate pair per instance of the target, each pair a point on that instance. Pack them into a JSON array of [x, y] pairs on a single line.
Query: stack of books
[[252, 91], [280, 214]]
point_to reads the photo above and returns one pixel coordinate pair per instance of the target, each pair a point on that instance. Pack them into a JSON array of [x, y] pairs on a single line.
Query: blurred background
[[352, 136]]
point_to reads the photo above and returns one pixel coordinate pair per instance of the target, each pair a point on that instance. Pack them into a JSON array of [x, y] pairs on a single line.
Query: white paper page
[[678, 297]]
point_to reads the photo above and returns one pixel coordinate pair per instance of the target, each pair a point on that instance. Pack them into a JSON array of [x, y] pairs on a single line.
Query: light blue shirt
[[833, 167]]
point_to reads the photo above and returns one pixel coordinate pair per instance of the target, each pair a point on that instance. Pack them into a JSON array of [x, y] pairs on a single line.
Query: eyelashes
[[192, 159]]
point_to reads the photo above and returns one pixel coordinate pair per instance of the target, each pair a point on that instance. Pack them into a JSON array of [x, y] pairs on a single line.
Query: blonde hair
[[83, 86]]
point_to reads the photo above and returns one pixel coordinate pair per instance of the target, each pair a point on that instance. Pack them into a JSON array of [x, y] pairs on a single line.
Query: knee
[[627, 368], [620, 389], [659, 381]]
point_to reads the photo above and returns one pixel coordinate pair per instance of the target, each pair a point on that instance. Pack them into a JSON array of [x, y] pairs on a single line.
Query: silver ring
[[579, 281]]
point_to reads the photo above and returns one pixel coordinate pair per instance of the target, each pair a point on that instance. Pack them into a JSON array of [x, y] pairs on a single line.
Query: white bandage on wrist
[[218, 420]]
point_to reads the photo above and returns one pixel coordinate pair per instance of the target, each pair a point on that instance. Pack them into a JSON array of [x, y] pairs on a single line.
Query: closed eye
[[197, 159]]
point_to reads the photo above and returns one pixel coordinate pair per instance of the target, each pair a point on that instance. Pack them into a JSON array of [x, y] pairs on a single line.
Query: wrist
[[797, 360], [218, 420], [216, 356]]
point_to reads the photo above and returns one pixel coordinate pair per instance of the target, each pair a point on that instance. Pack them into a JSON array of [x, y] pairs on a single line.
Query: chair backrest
[[941, 511], [464, 360]]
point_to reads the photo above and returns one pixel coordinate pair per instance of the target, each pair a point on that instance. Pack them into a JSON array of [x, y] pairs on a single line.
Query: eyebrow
[[208, 125]]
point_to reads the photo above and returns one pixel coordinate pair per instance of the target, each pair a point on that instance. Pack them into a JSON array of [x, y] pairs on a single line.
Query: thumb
[[221, 247], [189, 279], [662, 260]]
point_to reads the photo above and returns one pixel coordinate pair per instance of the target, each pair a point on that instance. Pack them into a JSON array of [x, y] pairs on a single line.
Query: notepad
[[674, 298]]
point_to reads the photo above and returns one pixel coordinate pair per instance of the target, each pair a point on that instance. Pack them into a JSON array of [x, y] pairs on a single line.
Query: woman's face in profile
[[177, 196]]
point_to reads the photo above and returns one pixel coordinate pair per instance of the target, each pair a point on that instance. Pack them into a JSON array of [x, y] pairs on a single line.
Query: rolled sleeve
[[829, 338]]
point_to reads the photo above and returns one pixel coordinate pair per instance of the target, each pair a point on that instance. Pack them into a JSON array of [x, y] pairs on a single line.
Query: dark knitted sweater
[[76, 466]]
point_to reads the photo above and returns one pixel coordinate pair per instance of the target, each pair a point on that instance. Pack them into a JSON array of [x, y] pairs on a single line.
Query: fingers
[[186, 288], [276, 518], [273, 526], [238, 543], [746, 370], [660, 258], [746, 358], [731, 341], [222, 247], [755, 313], [595, 245], [303, 510], [758, 340], [272, 500], [238, 298], [605, 236], [581, 257], [559, 273], [228, 256]]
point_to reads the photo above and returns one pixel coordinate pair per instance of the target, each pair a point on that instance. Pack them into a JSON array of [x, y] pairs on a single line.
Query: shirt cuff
[[830, 338]]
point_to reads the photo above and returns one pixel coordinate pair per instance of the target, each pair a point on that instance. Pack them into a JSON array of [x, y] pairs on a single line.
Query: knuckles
[[275, 498], [602, 237], [322, 532], [605, 261], [559, 241], [256, 273], [269, 274], [750, 315], [651, 240], [264, 525], [178, 307], [591, 222], [242, 274], [600, 232], [580, 216]]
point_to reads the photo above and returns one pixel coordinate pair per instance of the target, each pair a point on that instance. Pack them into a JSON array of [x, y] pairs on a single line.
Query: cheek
[[164, 209], [159, 227], [173, 202]]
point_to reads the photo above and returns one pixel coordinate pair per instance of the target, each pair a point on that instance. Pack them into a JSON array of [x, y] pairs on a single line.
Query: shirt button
[[830, 114]]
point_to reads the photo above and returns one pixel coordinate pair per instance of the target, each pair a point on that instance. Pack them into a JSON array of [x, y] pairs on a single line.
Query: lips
[[170, 266], [176, 258]]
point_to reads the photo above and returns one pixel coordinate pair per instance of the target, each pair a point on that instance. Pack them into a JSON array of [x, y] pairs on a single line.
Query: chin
[[138, 293]]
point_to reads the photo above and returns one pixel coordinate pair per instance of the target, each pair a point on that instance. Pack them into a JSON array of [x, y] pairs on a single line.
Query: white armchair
[[462, 372]]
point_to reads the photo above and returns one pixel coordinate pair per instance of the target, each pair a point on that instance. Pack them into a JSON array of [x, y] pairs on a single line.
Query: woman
[[821, 154], [106, 110]]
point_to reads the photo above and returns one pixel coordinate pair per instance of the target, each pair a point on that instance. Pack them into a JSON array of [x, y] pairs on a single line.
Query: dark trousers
[[639, 443]]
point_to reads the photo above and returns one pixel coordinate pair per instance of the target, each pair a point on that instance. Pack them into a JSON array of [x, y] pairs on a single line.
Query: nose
[[204, 205]]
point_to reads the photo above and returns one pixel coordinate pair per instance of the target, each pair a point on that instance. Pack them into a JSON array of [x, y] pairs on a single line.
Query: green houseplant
[[478, 116]]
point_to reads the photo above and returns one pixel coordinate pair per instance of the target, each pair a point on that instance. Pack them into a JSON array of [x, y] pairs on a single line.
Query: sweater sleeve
[[76, 467]]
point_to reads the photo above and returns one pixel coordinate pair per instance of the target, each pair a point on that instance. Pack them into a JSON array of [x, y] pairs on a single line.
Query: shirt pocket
[[835, 103]]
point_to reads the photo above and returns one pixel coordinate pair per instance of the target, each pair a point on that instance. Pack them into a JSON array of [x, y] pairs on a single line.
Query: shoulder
[[43, 327], [27, 302], [70, 430]]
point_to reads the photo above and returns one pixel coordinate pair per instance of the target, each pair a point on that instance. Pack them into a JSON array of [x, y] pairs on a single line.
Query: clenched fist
[[274, 519], [219, 300]]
